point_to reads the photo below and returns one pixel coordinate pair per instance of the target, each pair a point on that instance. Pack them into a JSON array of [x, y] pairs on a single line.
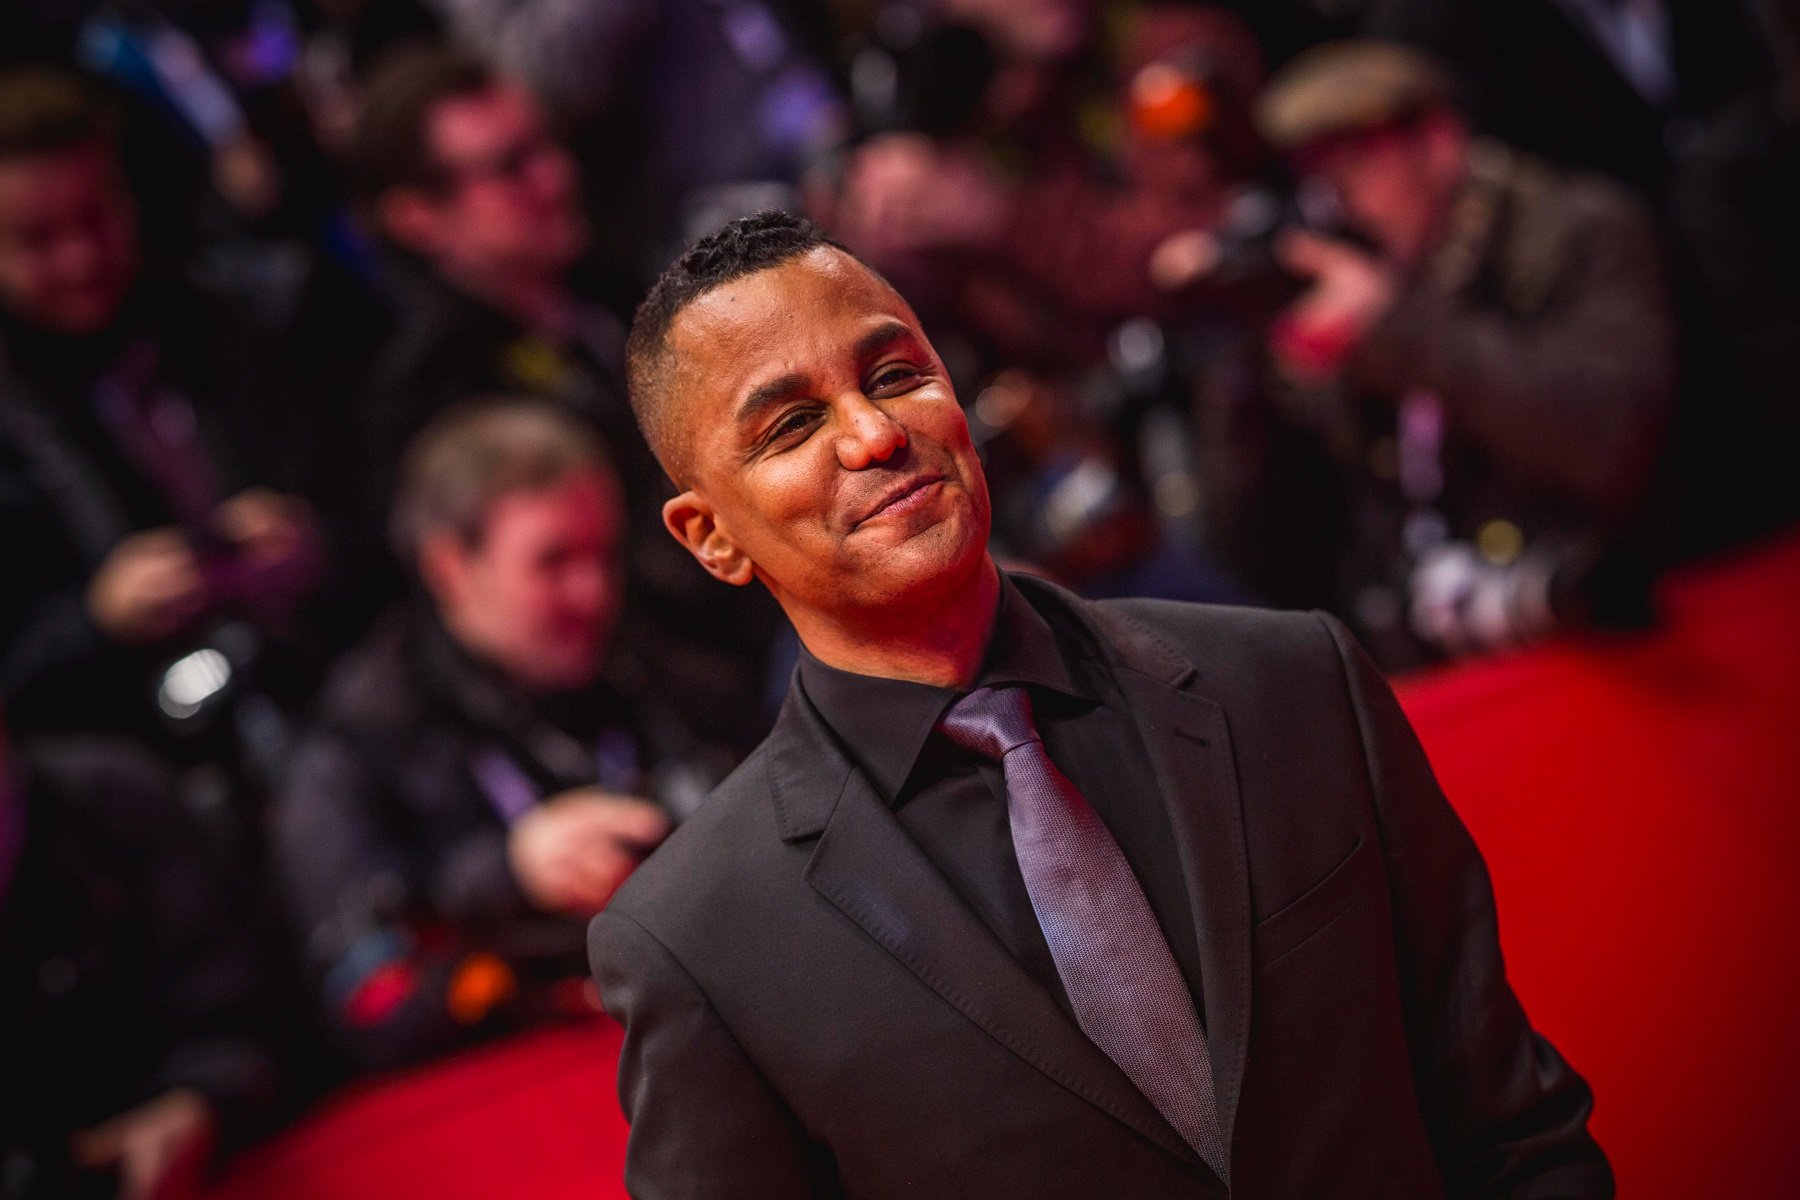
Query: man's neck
[[942, 644]]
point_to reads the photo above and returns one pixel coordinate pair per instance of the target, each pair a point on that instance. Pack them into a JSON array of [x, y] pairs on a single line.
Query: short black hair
[[744, 247], [44, 110], [390, 143]]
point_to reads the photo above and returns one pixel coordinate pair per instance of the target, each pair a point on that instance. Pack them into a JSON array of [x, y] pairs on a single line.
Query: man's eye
[[891, 377], [791, 424]]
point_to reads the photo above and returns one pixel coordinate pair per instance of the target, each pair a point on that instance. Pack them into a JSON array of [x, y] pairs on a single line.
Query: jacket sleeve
[[348, 890], [1577, 399], [185, 959], [51, 653], [704, 1121], [1508, 1117]]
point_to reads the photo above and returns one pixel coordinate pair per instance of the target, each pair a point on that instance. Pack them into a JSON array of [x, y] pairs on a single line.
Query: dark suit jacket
[[811, 1011]]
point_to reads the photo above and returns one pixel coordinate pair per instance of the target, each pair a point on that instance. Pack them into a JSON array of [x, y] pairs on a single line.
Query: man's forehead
[[44, 185], [784, 313], [465, 119], [823, 283], [84, 160], [590, 494]]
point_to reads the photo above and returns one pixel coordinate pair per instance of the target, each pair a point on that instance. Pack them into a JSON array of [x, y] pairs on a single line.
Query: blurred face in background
[[1032, 31], [69, 249], [506, 202], [1395, 183], [539, 592]]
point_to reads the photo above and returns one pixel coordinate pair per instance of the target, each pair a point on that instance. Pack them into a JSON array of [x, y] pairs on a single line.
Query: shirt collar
[[885, 723]]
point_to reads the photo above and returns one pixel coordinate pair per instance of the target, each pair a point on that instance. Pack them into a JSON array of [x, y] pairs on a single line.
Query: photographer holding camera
[[139, 439], [1490, 351]]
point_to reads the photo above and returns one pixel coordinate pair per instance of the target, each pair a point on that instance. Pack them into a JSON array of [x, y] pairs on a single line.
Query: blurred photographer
[[479, 206], [1491, 352], [1021, 163], [146, 446], [492, 762], [1088, 133]]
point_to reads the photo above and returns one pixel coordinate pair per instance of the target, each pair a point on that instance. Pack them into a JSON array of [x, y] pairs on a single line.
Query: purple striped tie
[[1129, 996]]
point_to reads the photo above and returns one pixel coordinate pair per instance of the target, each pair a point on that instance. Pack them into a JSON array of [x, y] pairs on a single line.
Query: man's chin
[[567, 676], [934, 562]]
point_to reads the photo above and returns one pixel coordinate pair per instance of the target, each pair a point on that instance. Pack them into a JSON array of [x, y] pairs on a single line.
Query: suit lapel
[[868, 867], [1190, 749]]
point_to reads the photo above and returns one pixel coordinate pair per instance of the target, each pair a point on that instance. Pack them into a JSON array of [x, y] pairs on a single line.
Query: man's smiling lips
[[900, 498]]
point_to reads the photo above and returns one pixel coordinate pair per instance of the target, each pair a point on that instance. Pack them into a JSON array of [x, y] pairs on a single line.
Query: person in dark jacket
[[490, 763], [1693, 103], [682, 112], [146, 457], [480, 208], [1490, 350], [134, 1009]]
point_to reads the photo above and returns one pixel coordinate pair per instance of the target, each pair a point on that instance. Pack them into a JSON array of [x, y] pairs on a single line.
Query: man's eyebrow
[[778, 391], [770, 394], [880, 338]]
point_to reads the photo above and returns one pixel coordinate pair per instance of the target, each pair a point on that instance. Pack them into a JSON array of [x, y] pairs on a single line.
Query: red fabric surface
[[533, 1116], [1638, 800]]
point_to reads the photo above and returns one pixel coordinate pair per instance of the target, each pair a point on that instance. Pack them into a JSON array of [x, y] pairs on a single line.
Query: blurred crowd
[[345, 666]]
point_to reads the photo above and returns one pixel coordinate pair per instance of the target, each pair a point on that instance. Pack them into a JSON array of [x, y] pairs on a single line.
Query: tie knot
[[991, 721]]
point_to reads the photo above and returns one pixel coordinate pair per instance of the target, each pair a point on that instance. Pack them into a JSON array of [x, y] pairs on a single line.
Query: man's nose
[[870, 435]]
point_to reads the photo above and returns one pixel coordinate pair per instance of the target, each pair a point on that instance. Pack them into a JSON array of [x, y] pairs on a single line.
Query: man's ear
[[443, 564], [691, 520]]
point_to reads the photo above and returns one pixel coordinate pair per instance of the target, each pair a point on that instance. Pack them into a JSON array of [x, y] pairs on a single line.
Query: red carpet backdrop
[[1639, 805]]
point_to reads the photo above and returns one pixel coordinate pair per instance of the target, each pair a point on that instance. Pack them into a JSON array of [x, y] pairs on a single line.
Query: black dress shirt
[[952, 802]]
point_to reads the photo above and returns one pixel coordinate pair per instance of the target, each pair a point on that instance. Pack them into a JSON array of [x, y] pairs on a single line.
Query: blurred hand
[[246, 174], [571, 852], [904, 193], [148, 588], [148, 1142], [1183, 259], [1351, 291], [278, 554], [266, 527]]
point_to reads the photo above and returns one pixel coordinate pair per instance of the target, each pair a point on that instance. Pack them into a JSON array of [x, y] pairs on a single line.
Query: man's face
[[1394, 183], [539, 594], [68, 239], [826, 452], [507, 202]]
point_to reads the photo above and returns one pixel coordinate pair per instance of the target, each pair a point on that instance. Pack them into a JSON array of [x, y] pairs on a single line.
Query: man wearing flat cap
[[1027, 896], [1491, 351]]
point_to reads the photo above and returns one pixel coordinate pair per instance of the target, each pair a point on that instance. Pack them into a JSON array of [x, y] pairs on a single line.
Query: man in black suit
[[865, 966]]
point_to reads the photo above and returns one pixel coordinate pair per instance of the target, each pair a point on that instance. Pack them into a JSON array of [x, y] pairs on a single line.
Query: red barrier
[[1638, 800], [533, 1116]]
